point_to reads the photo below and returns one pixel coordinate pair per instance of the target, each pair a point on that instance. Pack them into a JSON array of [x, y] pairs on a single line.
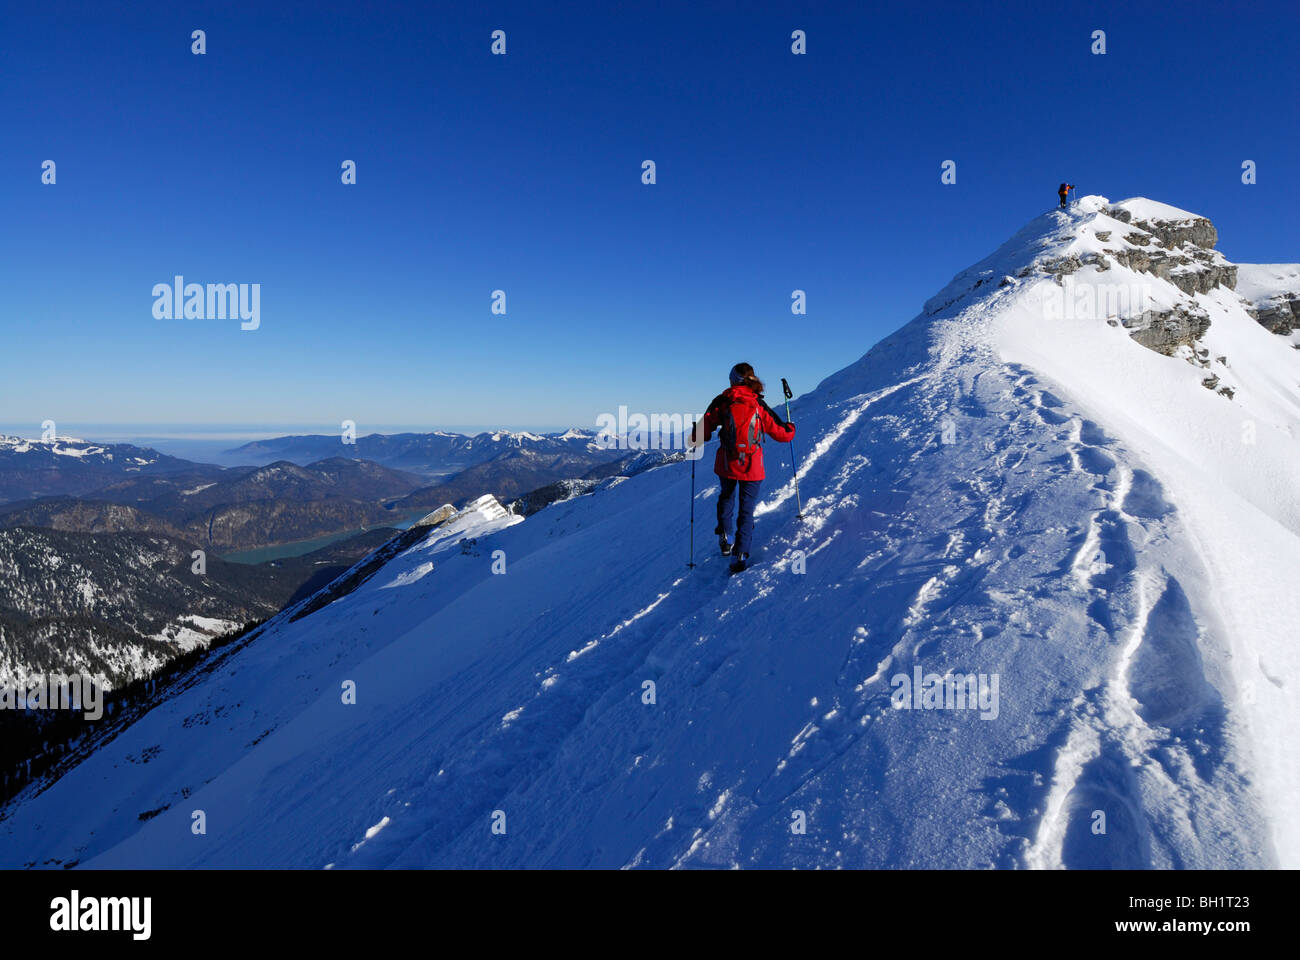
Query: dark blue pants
[[745, 522]]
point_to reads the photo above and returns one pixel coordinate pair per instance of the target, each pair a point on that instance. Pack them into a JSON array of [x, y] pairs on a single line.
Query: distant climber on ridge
[[743, 418], [1064, 193]]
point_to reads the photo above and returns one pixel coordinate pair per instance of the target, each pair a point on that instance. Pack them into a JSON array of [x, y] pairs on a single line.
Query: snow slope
[[1260, 281], [994, 490]]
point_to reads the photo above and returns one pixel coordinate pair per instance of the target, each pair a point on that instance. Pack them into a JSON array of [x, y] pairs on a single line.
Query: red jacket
[[744, 402]]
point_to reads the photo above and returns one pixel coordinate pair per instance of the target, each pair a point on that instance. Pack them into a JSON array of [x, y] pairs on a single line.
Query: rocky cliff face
[[1180, 251]]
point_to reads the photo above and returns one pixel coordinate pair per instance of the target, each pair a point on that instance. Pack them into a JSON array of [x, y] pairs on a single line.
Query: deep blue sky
[[522, 172]]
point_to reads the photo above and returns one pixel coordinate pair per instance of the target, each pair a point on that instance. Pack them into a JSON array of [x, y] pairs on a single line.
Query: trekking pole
[[691, 562], [794, 464]]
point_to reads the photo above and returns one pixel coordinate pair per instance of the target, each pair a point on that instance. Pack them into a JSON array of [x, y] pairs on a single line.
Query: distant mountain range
[[435, 454], [75, 485]]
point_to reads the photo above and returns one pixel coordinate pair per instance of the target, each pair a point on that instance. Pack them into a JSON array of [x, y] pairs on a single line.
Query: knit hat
[[736, 377]]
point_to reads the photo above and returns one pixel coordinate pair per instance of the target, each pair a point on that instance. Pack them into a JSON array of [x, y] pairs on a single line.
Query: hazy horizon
[[215, 445]]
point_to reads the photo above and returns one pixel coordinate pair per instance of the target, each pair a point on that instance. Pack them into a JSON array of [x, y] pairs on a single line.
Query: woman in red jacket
[[743, 419]]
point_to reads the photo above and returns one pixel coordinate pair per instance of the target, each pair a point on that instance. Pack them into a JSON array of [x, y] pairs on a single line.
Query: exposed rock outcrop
[[1192, 269], [441, 515], [1164, 331], [1061, 266], [1172, 233], [1179, 250], [1280, 315]]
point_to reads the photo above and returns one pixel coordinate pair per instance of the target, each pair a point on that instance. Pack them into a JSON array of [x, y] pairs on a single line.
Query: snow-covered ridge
[[518, 437], [1228, 457], [126, 456], [1002, 488], [61, 446], [477, 518], [504, 434]]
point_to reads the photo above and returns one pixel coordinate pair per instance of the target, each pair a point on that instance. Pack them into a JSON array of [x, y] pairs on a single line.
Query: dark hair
[[749, 379]]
